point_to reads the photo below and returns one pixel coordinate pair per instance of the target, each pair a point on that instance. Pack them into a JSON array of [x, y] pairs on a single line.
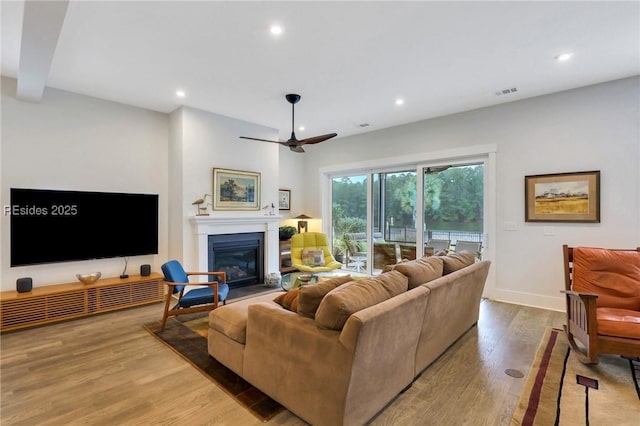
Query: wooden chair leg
[[583, 356], [165, 313]]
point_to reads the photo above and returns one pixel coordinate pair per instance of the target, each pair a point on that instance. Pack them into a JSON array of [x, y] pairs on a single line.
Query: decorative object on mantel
[[236, 190], [273, 279], [284, 199], [202, 211], [563, 197], [302, 224], [286, 232], [89, 278], [269, 209]]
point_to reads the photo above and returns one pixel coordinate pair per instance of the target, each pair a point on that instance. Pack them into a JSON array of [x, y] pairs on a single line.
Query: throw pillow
[[311, 295], [421, 270], [312, 257], [338, 305], [456, 261], [389, 268], [289, 300]]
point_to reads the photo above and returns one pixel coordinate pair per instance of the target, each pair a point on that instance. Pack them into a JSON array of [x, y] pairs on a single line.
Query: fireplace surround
[[204, 226]]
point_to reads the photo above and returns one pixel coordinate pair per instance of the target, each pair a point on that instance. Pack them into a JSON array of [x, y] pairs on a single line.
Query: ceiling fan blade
[[296, 148], [317, 139], [262, 140]]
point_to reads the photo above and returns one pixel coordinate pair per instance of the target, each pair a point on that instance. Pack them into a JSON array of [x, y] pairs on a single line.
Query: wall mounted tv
[[49, 226]]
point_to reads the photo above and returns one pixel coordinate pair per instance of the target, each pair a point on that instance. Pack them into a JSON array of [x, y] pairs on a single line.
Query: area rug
[[187, 336], [562, 391]]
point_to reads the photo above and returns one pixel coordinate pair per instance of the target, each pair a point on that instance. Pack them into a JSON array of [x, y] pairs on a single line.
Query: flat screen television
[[49, 226]]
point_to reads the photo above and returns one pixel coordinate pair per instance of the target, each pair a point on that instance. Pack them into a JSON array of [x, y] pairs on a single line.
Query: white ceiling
[[348, 60]]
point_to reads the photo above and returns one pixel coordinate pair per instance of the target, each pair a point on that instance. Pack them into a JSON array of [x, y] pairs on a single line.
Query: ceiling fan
[[293, 143]]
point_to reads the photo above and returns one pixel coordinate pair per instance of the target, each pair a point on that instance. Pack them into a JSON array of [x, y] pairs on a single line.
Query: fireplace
[[235, 223], [239, 255]]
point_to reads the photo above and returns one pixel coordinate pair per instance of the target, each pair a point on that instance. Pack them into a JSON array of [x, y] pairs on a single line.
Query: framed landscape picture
[[562, 197], [284, 199], [236, 190]]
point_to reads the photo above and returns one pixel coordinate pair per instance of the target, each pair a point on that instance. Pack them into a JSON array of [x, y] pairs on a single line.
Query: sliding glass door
[[394, 217], [382, 217], [349, 220], [453, 207]]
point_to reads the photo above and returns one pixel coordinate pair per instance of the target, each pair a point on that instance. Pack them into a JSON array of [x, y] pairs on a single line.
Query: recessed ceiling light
[[276, 29], [399, 101], [564, 57], [301, 128], [180, 93]]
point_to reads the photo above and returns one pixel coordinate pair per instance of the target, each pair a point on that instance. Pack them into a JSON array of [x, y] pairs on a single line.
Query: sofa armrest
[[384, 340], [303, 367]]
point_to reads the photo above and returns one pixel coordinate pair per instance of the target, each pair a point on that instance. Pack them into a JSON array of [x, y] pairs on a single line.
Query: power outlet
[[549, 231], [509, 226]]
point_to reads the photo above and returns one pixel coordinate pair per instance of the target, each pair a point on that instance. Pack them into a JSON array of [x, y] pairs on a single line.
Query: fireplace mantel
[[215, 225]]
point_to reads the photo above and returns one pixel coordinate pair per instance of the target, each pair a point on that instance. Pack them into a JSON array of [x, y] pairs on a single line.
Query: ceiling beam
[[41, 28]]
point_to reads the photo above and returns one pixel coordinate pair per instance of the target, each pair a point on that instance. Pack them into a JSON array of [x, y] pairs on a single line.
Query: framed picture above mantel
[[236, 190], [563, 197]]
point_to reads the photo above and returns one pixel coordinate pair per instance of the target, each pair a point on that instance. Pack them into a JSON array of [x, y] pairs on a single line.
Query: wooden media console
[[59, 302]]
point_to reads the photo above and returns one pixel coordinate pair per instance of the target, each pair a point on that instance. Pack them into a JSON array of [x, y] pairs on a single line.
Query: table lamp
[[302, 224]]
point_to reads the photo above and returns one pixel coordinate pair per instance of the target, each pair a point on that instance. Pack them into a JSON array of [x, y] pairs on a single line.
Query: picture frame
[[235, 190], [284, 199], [563, 197]]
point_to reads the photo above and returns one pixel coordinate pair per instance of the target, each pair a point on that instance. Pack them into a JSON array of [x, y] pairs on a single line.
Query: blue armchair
[[196, 300]]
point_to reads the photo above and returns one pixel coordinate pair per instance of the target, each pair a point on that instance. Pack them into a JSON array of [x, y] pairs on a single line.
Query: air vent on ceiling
[[506, 91]]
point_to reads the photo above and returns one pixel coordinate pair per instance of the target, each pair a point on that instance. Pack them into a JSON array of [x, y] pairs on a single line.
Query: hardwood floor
[[107, 370]]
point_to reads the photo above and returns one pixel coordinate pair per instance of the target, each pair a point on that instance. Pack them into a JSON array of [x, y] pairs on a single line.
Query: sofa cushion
[[310, 296], [341, 302], [614, 275], [619, 322], [456, 261], [231, 319], [421, 270], [312, 257], [289, 300]]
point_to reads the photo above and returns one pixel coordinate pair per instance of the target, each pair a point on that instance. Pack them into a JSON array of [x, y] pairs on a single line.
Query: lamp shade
[[302, 223]]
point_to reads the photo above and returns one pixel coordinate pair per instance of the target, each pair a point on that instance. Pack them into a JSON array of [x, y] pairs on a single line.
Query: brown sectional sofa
[[368, 340]]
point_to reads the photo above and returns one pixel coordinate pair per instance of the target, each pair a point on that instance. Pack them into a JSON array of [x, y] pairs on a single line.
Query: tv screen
[[50, 226]]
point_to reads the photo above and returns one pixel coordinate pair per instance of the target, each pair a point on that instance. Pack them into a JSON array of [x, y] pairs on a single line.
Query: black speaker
[[24, 285], [145, 270]]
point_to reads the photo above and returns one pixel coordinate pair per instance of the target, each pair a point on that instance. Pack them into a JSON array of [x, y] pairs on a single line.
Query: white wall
[[592, 128], [293, 176], [70, 141], [206, 141]]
